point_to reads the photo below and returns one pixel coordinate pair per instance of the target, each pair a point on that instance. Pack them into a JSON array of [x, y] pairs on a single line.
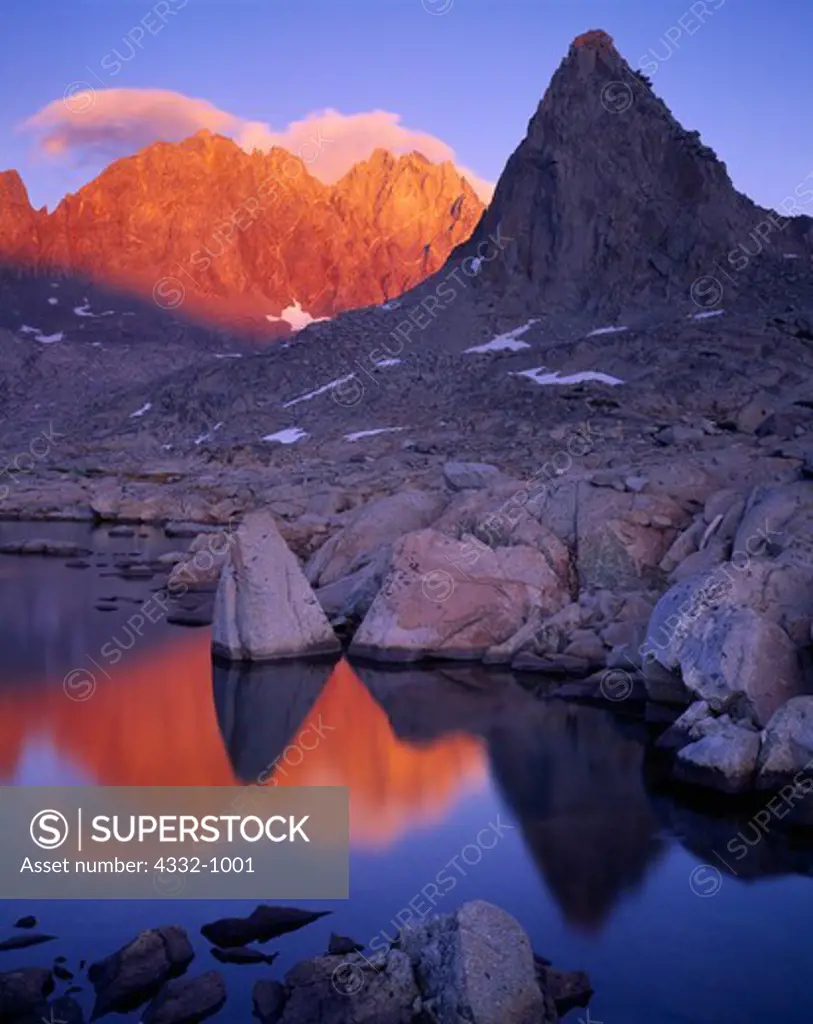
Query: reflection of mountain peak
[[393, 784], [576, 786]]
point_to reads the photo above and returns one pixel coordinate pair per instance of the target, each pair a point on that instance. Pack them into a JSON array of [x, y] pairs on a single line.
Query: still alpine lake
[[548, 809]]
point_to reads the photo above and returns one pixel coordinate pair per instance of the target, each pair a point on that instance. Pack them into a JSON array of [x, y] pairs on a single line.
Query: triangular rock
[[265, 608], [610, 203]]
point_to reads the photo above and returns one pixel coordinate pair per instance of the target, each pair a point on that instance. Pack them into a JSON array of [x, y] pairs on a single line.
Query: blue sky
[[471, 76]]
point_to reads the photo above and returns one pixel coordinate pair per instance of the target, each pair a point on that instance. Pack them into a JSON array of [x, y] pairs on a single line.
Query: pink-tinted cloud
[[108, 123], [113, 122]]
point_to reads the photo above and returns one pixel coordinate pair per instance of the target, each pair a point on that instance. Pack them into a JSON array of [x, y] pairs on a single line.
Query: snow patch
[[540, 376], [506, 342], [607, 330], [53, 301], [288, 436], [319, 391], [476, 263], [84, 310], [295, 316], [45, 339], [228, 355], [791, 255], [394, 304], [388, 362], [707, 314], [140, 412], [54, 284], [371, 433], [207, 434]]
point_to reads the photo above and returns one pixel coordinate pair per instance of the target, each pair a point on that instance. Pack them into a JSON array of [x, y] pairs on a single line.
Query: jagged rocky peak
[[610, 201], [249, 234], [19, 222], [594, 39]]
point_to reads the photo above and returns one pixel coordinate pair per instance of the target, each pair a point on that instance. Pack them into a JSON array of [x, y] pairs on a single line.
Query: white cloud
[[110, 123]]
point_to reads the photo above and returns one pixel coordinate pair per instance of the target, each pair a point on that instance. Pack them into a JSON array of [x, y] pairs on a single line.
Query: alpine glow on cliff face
[[246, 234]]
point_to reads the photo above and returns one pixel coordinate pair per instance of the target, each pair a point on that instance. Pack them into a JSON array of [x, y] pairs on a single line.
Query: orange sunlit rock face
[[154, 724], [247, 234]]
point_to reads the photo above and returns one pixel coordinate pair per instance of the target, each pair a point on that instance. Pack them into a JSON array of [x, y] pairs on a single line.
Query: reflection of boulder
[[752, 840], [574, 781], [426, 703], [260, 709]]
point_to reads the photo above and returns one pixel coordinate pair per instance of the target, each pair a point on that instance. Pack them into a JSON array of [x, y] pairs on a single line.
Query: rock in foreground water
[[262, 924], [135, 973], [334, 990], [22, 991], [477, 965], [187, 1000]]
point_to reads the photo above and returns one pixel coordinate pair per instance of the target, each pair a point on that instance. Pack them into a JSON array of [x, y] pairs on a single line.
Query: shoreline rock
[[265, 609], [512, 573]]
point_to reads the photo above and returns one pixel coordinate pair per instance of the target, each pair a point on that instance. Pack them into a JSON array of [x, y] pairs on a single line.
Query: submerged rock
[[64, 1010], [342, 945], [242, 955], [23, 991], [265, 608], [23, 941], [262, 924], [53, 548], [187, 1000], [268, 1000], [135, 973]]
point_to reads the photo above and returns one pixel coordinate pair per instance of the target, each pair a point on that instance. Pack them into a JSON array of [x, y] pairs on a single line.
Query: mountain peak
[[248, 234], [611, 202], [594, 39]]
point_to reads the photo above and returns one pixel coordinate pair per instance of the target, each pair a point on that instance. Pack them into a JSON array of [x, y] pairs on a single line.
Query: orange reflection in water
[[394, 785], [153, 723]]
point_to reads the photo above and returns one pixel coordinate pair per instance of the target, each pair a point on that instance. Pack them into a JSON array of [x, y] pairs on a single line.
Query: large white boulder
[[264, 607]]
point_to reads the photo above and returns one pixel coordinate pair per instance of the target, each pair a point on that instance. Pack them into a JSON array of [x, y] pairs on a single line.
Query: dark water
[[603, 867]]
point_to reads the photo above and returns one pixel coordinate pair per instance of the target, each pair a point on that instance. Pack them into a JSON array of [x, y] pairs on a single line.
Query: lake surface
[[608, 871]]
